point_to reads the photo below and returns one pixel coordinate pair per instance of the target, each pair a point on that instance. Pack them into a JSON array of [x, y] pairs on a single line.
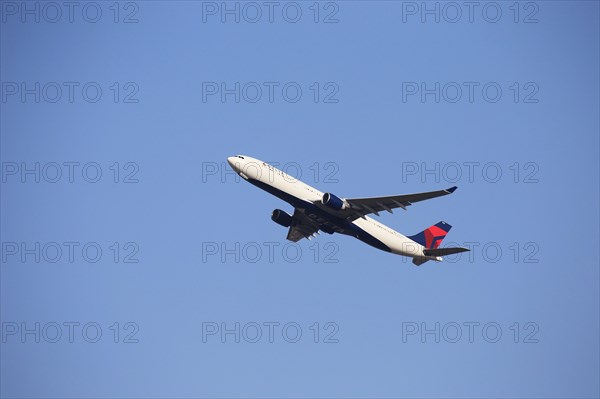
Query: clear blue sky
[[169, 132]]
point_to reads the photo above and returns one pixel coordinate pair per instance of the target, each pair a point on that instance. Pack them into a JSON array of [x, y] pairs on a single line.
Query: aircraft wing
[[360, 207], [302, 227]]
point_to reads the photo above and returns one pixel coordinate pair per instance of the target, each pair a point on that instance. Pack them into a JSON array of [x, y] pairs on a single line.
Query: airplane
[[316, 211]]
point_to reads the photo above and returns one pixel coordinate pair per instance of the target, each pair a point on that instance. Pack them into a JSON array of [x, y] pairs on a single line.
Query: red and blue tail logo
[[432, 236]]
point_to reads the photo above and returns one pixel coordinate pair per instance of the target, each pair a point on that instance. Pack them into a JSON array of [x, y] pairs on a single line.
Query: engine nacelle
[[282, 218], [334, 202]]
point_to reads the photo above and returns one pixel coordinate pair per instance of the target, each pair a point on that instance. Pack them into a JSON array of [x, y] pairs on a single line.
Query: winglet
[[451, 189]]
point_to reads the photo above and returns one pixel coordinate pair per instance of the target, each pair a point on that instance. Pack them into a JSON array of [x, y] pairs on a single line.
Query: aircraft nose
[[234, 162]]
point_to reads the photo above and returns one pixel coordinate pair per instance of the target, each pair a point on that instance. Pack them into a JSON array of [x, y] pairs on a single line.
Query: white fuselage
[[297, 192]]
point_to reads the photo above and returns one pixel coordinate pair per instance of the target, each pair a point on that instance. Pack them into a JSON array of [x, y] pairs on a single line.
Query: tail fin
[[432, 237]]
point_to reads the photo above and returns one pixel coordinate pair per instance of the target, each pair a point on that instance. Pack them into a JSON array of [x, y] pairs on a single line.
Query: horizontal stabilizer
[[444, 251], [419, 261]]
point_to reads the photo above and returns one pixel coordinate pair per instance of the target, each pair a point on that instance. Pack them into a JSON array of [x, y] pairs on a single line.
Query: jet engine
[[282, 218], [334, 202]]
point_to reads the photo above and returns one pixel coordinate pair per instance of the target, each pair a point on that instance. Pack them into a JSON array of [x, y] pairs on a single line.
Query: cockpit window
[[241, 157]]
